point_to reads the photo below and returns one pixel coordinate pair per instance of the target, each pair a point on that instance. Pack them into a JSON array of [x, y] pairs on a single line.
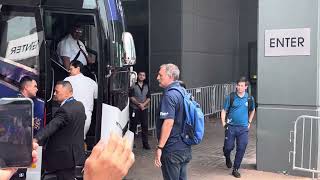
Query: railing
[[210, 98], [205, 96], [306, 138], [221, 91], [153, 112]]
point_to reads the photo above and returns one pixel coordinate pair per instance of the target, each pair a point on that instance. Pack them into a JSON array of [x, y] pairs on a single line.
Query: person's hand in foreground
[[109, 160], [5, 174]]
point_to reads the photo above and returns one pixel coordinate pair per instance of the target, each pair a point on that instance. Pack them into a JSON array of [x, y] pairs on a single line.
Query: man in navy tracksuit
[[237, 124]]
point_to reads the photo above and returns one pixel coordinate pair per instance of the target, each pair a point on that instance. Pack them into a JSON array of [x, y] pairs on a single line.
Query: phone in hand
[[16, 132]]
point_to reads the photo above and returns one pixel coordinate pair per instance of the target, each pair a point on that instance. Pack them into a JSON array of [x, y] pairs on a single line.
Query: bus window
[[117, 44], [119, 89], [115, 18], [89, 4], [19, 44]]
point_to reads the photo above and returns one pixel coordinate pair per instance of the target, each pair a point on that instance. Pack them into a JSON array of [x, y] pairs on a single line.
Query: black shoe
[[236, 173], [228, 162], [146, 146]]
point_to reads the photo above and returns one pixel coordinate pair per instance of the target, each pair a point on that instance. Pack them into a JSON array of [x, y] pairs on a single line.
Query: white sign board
[[23, 48], [287, 42]]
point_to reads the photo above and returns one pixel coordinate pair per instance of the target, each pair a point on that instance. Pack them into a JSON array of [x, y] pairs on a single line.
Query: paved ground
[[208, 161]]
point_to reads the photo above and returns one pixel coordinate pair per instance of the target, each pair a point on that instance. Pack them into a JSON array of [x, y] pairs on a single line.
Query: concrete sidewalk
[[207, 162]]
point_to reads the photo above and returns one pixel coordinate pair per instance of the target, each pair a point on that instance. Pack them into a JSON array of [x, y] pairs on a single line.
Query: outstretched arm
[[66, 62], [109, 160], [60, 119]]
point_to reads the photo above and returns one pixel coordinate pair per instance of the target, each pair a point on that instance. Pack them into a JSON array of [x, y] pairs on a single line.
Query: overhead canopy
[[74, 4], [21, 2]]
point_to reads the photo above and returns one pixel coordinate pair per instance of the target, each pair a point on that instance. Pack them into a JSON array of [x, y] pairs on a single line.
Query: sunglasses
[[78, 31]]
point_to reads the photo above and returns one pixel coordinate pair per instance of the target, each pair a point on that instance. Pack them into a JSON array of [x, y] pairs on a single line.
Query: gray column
[[165, 36], [201, 37], [210, 41], [288, 86]]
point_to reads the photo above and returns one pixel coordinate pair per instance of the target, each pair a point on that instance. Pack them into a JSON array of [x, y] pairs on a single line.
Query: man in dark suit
[[64, 149]]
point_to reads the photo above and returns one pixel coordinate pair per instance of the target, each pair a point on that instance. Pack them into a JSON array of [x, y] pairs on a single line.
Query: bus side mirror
[[133, 76], [129, 55]]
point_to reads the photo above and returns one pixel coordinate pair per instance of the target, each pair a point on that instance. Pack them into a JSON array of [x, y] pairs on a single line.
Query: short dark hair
[[65, 84], [142, 72], [243, 79], [76, 64], [75, 26], [24, 80]]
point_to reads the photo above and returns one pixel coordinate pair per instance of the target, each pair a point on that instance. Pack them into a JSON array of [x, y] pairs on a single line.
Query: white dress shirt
[[85, 90], [68, 47]]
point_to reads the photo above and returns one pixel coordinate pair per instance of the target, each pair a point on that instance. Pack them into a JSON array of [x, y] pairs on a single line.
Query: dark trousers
[[174, 164], [240, 135], [66, 174], [63, 174], [135, 116]]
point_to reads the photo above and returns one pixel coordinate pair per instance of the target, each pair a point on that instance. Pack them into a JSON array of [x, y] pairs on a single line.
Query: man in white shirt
[[71, 48], [85, 90]]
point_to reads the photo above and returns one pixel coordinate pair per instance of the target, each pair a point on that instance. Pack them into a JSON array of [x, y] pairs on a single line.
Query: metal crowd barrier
[[306, 139], [210, 98], [154, 111], [222, 90], [205, 97]]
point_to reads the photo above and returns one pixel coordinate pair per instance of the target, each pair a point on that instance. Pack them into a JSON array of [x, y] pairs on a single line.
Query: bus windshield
[[115, 18], [19, 44]]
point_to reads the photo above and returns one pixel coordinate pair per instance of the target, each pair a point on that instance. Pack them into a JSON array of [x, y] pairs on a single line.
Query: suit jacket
[[65, 145]]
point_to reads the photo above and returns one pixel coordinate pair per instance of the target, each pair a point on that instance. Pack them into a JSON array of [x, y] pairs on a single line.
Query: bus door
[[57, 25]]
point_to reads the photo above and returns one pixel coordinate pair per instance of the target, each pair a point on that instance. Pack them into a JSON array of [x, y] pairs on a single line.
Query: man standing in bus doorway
[[28, 88], [139, 101], [70, 48], [64, 148], [85, 90], [240, 107], [172, 154]]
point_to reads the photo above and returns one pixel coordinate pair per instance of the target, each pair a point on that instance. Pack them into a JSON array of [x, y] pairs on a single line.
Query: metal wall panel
[[287, 85]]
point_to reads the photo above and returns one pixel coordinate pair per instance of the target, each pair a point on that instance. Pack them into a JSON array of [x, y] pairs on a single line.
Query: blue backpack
[[193, 128]]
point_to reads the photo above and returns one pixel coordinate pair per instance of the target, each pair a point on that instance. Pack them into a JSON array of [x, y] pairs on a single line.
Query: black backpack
[[232, 96]]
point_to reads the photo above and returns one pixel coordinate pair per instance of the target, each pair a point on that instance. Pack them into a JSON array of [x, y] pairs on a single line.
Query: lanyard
[[67, 100]]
